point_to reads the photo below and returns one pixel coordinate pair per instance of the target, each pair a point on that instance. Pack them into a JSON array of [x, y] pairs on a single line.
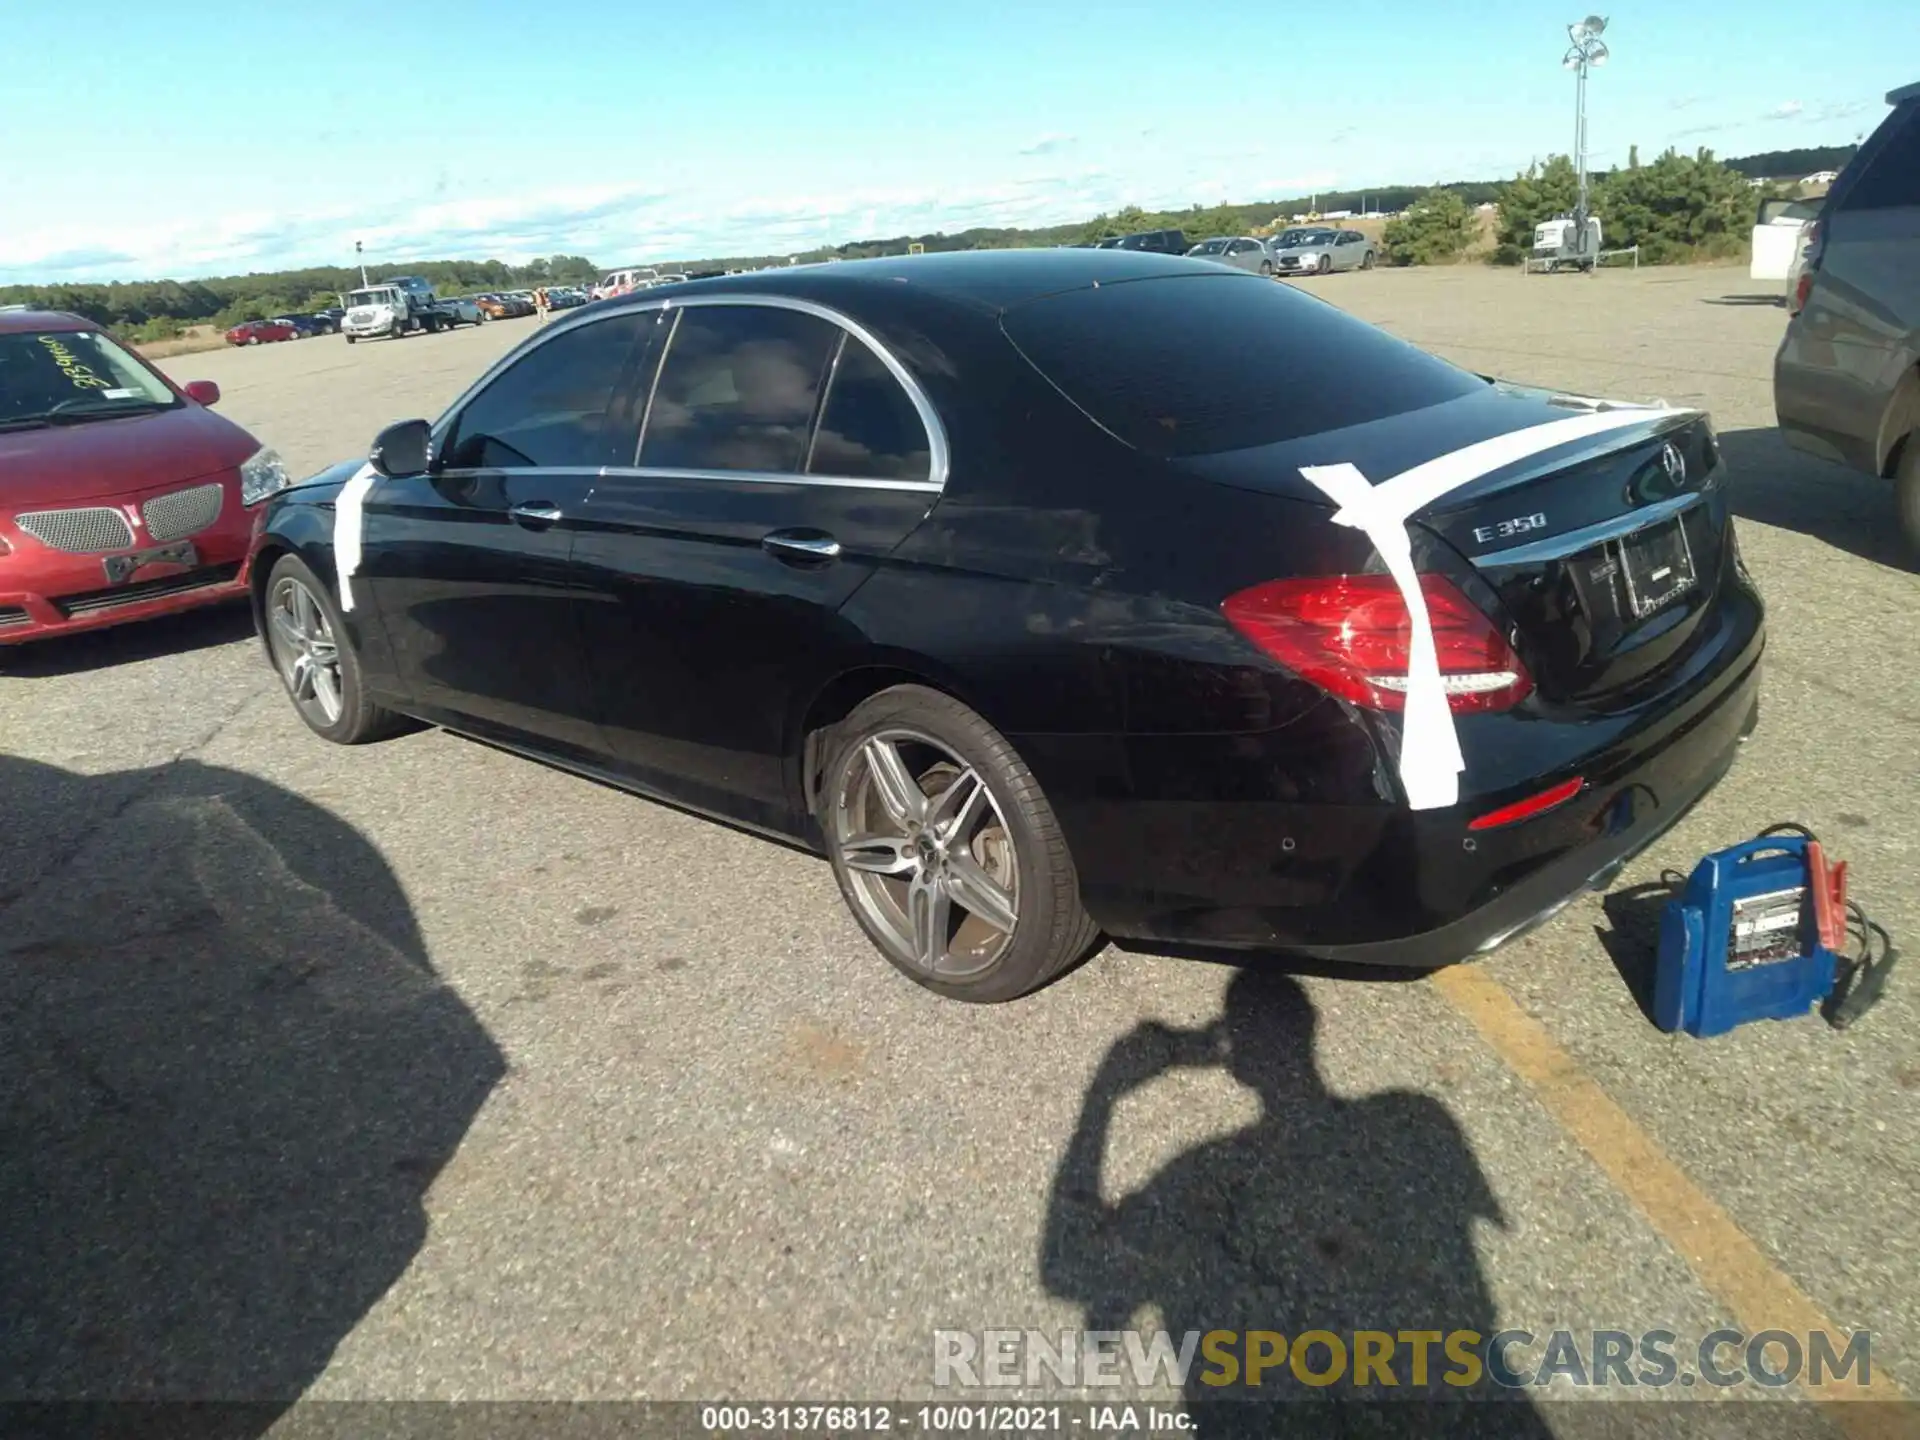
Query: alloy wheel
[[305, 650], [928, 855]]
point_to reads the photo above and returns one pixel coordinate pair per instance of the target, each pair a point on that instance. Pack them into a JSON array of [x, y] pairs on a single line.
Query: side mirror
[[203, 392], [402, 449]]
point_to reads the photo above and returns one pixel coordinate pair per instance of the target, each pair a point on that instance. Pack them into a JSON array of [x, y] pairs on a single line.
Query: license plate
[[122, 568], [1657, 566]]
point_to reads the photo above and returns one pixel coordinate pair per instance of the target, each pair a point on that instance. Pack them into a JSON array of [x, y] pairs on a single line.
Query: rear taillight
[[1810, 251], [1351, 635]]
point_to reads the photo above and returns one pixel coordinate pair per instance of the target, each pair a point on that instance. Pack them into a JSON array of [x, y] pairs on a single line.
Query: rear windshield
[[1197, 364], [70, 376]]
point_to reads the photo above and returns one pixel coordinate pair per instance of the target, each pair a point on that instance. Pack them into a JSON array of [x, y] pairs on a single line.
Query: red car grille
[[184, 512], [11, 615], [91, 602], [78, 532]]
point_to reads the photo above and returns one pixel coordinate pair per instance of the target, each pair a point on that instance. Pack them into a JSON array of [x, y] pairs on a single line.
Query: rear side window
[[869, 429], [1194, 365], [737, 389], [1888, 174], [549, 407]]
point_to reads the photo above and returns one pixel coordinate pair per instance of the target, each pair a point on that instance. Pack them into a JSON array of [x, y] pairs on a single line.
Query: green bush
[[1680, 207], [1541, 193], [1435, 230], [161, 327]]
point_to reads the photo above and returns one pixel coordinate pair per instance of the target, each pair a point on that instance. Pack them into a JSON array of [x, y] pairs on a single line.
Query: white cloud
[[1785, 110]]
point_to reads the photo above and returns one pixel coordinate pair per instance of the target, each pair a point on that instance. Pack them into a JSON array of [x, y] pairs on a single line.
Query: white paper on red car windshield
[[348, 524], [1430, 758]]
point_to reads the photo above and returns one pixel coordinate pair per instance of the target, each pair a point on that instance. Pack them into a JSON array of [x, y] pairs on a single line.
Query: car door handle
[[535, 512], [804, 546]]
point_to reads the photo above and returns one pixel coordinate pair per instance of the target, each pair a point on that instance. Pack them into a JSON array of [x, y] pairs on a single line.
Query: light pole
[[360, 255], [1585, 51]]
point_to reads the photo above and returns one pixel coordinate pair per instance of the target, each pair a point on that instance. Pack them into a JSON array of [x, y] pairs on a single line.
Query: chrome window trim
[[767, 477], [1585, 538], [939, 455]]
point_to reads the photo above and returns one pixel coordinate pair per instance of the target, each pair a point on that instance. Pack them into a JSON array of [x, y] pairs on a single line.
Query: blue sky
[[174, 138]]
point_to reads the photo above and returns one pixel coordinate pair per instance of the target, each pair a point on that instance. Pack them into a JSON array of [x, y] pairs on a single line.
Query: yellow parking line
[[1718, 1251]]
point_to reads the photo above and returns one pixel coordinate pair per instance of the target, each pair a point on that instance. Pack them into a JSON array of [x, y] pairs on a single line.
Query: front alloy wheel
[[305, 651]]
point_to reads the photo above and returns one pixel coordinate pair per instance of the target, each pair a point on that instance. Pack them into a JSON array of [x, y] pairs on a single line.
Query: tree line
[[1677, 208], [159, 309]]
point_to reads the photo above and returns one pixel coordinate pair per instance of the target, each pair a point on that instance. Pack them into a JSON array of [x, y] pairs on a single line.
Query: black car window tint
[[1196, 364], [549, 407], [869, 429], [737, 389], [1889, 176]]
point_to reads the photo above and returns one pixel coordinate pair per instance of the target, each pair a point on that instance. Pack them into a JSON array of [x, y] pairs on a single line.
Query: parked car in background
[[995, 577], [1320, 250], [332, 315], [304, 326], [625, 282], [123, 496], [1846, 380], [463, 310], [1243, 252], [1154, 242], [260, 332]]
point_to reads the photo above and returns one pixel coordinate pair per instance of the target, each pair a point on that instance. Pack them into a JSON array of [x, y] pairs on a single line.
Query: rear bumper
[[1373, 882]]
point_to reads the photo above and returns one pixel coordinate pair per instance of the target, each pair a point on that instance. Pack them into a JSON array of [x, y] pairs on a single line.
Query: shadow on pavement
[[228, 1076], [1775, 298], [1632, 939], [124, 644], [1779, 486], [1324, 1214]]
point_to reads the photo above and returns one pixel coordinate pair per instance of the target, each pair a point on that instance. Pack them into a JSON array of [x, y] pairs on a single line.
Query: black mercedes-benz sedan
[[1052, 594]]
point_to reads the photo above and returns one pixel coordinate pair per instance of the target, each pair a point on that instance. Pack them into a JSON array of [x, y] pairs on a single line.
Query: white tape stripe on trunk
[[1430, 758], [349, 523]]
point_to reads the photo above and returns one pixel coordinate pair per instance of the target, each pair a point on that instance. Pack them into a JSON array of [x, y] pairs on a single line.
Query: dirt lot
[[420, 1070]]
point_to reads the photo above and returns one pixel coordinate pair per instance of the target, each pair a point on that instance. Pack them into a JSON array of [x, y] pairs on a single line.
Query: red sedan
[[121, 496], [257, 332]]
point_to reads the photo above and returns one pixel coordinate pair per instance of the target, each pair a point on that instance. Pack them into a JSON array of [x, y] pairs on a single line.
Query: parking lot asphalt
[[422, 1071]]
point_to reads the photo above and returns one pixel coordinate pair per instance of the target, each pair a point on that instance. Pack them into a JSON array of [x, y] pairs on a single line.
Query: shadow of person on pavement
[[1324, 1214], [228, 1076], [1771, 482]]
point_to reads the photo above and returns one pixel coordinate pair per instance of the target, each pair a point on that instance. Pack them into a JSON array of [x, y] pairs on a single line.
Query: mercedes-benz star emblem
[[1674, 463]]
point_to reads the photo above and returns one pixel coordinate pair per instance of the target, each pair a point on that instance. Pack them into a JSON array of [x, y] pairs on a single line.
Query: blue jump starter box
[[1753, 935]]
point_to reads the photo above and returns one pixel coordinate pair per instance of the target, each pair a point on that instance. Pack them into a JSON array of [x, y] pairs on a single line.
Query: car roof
[[14, 322], [989, 280]]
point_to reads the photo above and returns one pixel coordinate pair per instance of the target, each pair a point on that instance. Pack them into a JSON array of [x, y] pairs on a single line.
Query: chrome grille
[[79, 532], [184, 512]]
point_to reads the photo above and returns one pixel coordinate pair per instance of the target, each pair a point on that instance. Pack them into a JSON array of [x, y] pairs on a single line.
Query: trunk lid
[[1599, 558]]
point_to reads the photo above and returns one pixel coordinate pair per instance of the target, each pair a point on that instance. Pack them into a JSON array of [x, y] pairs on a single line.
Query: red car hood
[[102, 458]]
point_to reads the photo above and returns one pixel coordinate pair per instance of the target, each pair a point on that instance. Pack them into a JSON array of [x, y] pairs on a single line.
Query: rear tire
[[1906, 491], [963, 842], [305, 634], [1366, 261]]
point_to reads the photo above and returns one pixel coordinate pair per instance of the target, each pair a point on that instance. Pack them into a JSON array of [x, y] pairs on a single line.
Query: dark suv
[[1846, 383]]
